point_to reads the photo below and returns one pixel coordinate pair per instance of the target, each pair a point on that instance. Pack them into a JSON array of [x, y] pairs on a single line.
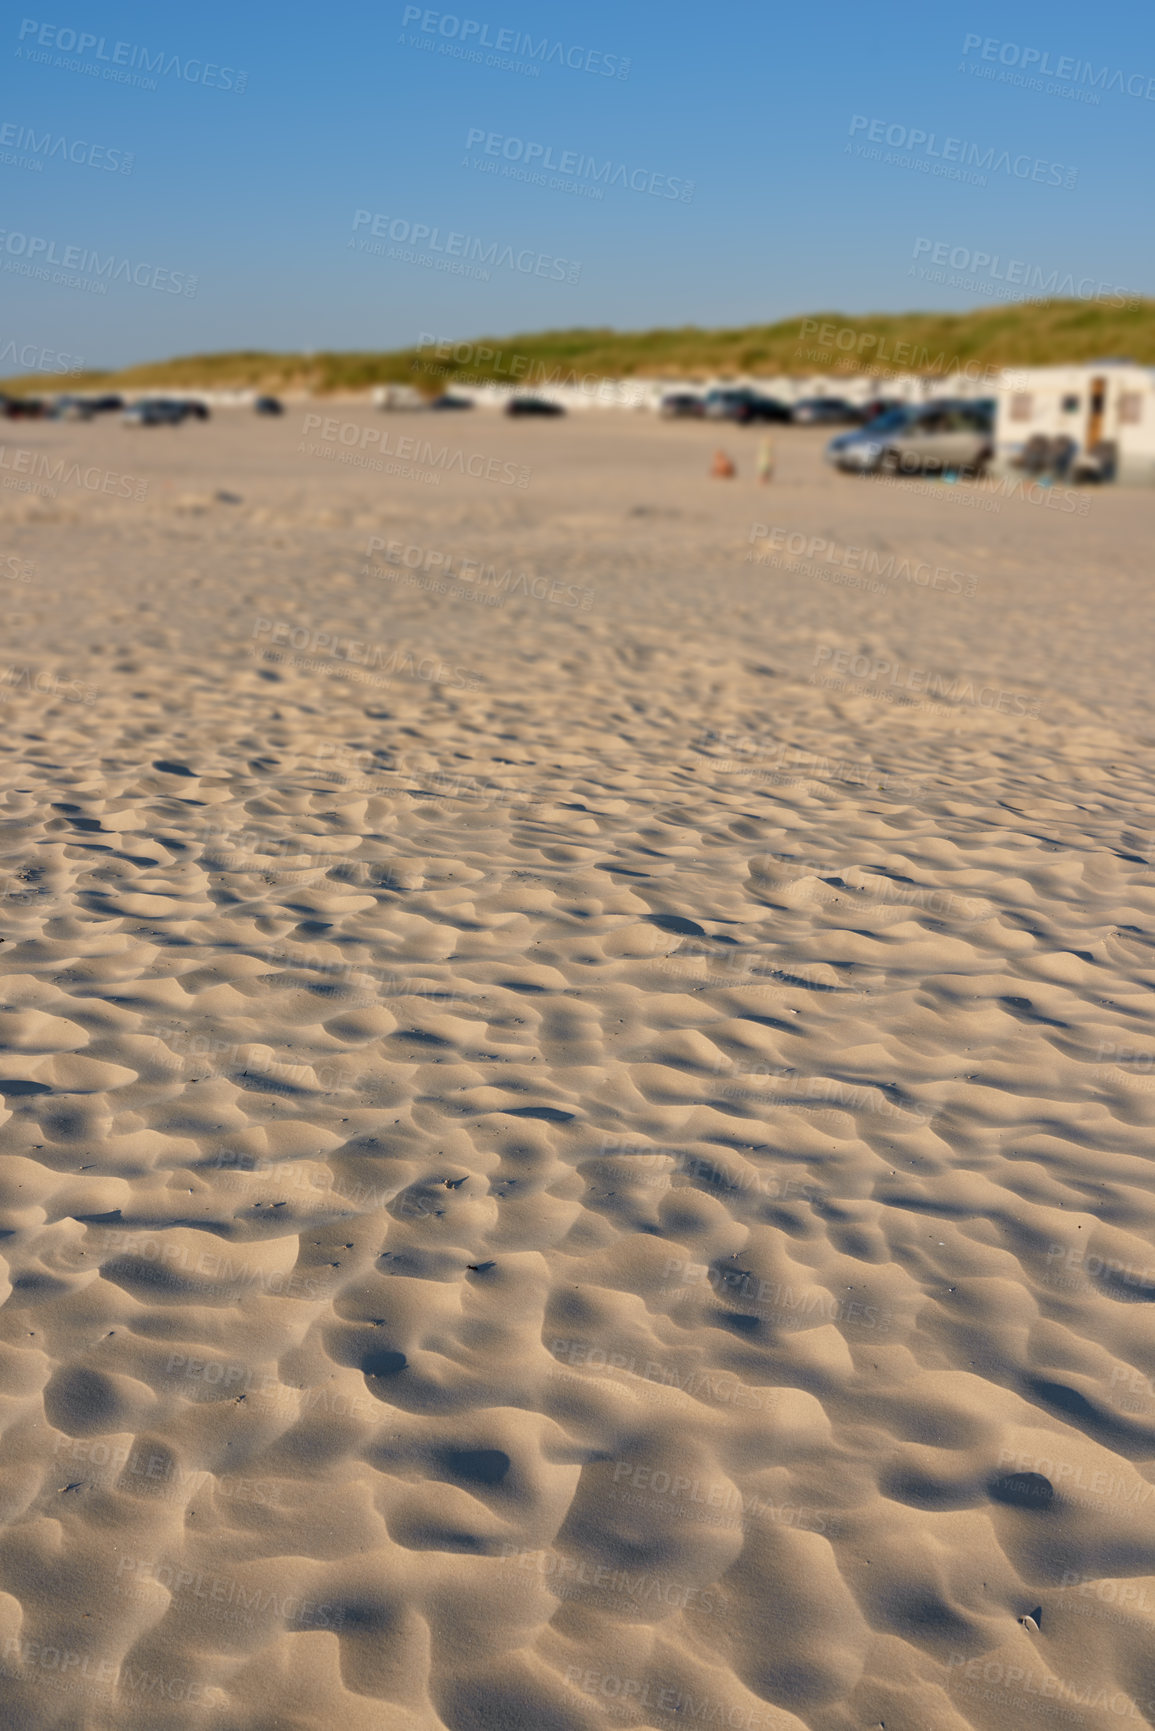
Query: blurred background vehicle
[[532, 406], [933, 438], [743, 405], [24, 408], [268, 406], [681, 405], [72, 409], [826, 411], [448, 401], [163, 412]]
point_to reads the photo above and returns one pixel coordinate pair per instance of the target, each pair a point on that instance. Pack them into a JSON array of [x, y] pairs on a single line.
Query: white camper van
[[1091, 422]]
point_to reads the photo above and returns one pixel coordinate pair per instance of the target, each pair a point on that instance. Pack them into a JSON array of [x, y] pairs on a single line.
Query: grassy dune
[[1027, 334]]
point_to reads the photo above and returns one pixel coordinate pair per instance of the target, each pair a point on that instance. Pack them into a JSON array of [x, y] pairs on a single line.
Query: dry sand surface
[[562, 1172]]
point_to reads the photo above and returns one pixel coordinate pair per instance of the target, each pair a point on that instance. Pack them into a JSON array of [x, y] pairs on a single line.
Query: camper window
[[1131, 407], [1021, 406], [1071, 405]]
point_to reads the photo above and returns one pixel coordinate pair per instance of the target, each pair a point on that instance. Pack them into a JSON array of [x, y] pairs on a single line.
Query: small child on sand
[[722, 469], [766, 461]]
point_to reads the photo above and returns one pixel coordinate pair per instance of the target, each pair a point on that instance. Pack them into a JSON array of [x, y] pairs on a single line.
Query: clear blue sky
[[254, 193]]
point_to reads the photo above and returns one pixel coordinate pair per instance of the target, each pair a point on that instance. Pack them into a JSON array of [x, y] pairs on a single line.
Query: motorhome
[[1095, 420]]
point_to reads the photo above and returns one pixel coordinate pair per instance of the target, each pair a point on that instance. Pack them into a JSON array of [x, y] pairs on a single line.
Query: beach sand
[[487, 1061]]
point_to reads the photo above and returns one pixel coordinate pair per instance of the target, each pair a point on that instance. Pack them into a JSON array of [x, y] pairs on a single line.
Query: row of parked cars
[[515, 405], [744, 405], [887, 437], [147, 412]]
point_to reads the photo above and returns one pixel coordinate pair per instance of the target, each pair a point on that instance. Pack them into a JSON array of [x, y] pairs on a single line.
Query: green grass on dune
[[1027, 334]]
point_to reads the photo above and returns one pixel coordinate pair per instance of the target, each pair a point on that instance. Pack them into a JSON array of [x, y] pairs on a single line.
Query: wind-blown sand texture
[[560, 1174]]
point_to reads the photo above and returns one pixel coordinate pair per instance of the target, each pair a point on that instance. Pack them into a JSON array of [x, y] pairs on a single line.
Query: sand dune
[[489, 1066]]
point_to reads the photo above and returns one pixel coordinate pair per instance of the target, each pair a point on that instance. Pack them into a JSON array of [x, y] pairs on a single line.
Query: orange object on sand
[[722, 469]]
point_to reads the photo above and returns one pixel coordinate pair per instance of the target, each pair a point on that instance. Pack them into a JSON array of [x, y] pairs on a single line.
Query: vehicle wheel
[[889, 463]]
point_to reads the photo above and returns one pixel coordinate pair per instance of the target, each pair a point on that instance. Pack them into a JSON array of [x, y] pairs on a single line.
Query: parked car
[[932, 438], [739, 403], [155, 412], [448, 401], [268, 406], [72, 409], [681, 405], [24, 408], [826, 411], [532, 406], [197, 411]]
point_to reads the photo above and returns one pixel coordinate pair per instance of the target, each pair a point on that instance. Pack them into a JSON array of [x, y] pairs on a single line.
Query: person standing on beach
[[766, 461]]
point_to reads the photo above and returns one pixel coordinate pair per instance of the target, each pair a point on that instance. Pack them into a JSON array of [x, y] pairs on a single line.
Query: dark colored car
[[681, 405], [743, 405], [196, 411], [268, 406], [157, 412], [24, 408], [826, 412], [532, 406], [448, 401]]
